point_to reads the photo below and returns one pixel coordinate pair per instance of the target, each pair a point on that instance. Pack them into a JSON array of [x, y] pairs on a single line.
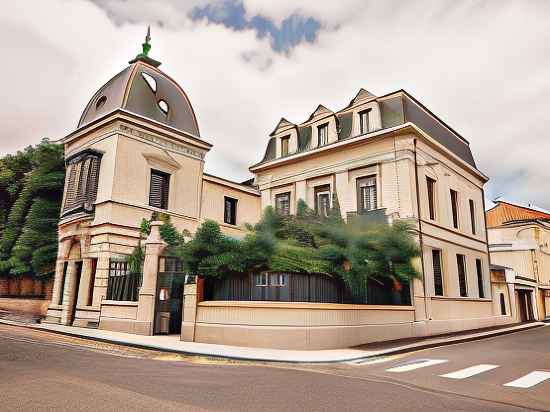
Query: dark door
[[78, 273], [529, 304], [169, 302]]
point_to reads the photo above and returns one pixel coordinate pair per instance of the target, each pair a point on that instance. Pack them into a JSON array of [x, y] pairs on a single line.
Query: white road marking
[[369, 361], [422, 363], [471, 371], [531, 379]]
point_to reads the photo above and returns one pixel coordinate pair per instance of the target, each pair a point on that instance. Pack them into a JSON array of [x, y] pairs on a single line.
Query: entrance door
[[169, 302], [78, 273], [525, 306]]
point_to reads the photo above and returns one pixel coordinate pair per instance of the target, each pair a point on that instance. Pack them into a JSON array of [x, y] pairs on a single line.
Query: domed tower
[[136, 151]]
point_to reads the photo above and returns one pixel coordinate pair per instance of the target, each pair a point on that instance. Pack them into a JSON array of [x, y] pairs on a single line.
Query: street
[[45, 371]]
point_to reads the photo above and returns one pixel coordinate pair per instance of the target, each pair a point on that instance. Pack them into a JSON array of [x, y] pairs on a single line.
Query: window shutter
[[70, 194], [158, 191], [438, 277], [480, 278], [462, 275]]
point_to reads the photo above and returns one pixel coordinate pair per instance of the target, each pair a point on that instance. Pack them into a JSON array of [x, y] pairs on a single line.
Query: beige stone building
[[519, 245], [137, 150]]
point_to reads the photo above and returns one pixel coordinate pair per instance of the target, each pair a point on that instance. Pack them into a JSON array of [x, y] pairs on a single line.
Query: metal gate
[[169, 298]]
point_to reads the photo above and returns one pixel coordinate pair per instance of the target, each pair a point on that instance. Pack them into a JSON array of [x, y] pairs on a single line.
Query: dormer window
[[285, 142], [364, 121], [150, 80], [163, 106], [322, 134]]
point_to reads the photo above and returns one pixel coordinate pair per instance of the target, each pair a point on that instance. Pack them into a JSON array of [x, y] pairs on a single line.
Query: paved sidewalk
[[172, 343]]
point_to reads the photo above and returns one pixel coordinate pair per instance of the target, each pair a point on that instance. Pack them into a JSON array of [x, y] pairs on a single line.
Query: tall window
[[502, 304], [322, 134], [438, 275], [454, 207], [159, 188], [82, 181], [230, 210], [93, 269], [462, 283], [285, 141], [364, 121], [473, 216], [430, 183], [282, 203], [322, 200], [366, 194], [479, 269]]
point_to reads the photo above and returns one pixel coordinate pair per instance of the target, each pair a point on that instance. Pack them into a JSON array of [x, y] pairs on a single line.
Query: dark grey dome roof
[[144, 90]]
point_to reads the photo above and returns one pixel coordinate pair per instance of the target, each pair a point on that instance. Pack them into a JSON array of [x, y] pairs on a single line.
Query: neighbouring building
[[519, 245], [137, 150]]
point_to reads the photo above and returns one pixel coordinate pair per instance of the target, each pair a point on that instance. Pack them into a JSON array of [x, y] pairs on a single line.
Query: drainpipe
[[420, 238]]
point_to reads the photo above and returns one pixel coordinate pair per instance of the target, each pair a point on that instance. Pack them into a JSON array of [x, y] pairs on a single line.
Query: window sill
[[461, 298]]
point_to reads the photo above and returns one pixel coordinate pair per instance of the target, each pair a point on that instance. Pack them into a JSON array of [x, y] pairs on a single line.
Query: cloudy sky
[[482, 66]]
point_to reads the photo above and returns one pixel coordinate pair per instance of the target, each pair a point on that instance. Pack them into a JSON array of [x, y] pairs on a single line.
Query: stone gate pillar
[[154, 247]]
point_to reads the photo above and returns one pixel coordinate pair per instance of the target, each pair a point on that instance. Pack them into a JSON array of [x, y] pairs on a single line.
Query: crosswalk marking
[[471, 371], [531, 379], [422, 363]]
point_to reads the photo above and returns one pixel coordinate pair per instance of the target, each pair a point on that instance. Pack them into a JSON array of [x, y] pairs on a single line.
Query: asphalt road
[[40, 371]]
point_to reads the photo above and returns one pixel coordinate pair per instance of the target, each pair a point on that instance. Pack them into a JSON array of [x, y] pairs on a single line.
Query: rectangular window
[[364, 121], [367, 196], [430, 183], [93, 264], [260, 279], [276, 279], [322, 200], [159, 188], [82, 180], [230, 210], [282, 203], [480, 287], [322, 134], [473, 216], [285, 141], [438, 275], [462, 282], [454, 207]]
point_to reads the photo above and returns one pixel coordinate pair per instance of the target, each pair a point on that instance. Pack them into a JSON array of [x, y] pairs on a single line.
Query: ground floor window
[[502, 304], [462, 282]]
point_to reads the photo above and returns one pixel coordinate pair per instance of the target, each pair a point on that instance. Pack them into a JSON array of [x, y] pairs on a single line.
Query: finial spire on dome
[[144, 55]]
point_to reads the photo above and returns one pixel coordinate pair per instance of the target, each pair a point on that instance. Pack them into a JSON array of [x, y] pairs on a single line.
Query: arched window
[[502, 304]]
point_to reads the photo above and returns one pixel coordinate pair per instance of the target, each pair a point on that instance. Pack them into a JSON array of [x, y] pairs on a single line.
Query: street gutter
[[280, 358]]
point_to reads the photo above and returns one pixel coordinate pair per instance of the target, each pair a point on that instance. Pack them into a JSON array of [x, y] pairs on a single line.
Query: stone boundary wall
[[25, 294]]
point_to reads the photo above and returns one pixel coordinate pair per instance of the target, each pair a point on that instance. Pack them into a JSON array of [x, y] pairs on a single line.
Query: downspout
[[420, 238]]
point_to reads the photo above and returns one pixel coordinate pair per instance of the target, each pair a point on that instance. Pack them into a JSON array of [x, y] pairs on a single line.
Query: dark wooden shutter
[[454, 207], [473, 216], [71, 187], [438, 276], [159, 189], [480, 278], [461, 265], [431, 199]]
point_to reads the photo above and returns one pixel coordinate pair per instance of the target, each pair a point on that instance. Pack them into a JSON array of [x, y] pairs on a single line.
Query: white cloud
[[481, 66]]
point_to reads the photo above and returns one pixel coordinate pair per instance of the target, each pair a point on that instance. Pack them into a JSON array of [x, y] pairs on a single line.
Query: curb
[[377, 354]]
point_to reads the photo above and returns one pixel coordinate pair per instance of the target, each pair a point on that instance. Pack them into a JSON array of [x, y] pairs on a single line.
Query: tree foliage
[[31, 188], [306, 243]]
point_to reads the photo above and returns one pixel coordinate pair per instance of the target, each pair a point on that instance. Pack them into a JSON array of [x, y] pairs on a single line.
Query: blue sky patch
[[294, 29]]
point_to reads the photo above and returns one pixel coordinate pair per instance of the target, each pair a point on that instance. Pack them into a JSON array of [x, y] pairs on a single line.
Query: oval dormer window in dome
[[150, 80], [163, 106], [100, 102]]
